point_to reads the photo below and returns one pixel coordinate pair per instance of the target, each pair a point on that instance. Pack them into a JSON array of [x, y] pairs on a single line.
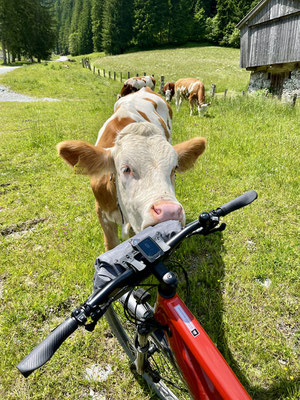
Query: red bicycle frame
[[205, 371]]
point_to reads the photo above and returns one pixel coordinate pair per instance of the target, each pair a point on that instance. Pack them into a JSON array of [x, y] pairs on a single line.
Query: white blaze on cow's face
[[145, 165], [202, 109], [168, 95]]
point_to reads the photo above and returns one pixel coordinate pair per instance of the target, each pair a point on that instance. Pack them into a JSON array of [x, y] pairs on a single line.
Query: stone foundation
[[259, 81], [290, 86]]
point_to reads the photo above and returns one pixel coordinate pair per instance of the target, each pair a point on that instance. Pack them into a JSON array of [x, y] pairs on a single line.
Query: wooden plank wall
[[272, 36]]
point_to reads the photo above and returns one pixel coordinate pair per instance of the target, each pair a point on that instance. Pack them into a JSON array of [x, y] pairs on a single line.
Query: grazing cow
[[193, 90], [136, 83], [132, 166], [169, 90]]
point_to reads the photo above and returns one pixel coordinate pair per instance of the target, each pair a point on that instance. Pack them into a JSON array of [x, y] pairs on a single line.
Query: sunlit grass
[[212, 65], [46, 267]]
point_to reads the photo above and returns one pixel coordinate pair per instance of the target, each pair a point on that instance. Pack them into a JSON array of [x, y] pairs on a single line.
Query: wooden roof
[[251, 13]]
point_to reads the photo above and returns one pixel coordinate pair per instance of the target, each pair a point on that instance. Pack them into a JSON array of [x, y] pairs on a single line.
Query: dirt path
[[8, 95]]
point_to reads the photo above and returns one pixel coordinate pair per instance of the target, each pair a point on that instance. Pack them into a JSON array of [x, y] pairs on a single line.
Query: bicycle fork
[[142, 346]]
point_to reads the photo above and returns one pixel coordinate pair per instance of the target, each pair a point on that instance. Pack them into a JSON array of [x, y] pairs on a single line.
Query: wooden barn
[[270, 47]]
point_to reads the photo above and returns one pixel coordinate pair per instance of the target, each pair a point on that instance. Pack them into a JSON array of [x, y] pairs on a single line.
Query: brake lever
[[220, 228], [201, 230]]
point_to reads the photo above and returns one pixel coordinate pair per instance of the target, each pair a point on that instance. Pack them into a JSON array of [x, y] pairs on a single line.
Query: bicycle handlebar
[[45, 350], [237, 203]]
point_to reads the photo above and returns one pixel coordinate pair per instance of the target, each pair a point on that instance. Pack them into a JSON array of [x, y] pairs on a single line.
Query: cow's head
[[126, 89], [144, 164], [169, 90]]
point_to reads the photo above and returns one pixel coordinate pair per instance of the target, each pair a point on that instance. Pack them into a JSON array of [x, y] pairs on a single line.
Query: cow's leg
[[178, 100], [110, 230], [191, 101]]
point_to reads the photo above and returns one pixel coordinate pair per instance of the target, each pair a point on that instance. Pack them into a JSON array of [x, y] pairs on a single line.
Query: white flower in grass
[[98, 373]]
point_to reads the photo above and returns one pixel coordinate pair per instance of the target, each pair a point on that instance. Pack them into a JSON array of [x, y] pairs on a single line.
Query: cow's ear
[[188, 152], [86, 158]]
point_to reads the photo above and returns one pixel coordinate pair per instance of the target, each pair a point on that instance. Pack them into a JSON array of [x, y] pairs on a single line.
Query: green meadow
[[210, 64], [244, 281]]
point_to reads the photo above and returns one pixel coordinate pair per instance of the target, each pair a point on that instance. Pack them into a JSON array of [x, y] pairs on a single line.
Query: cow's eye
[[126, 170]]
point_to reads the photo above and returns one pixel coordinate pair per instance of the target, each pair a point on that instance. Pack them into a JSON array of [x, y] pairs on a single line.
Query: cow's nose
[[165, 211]]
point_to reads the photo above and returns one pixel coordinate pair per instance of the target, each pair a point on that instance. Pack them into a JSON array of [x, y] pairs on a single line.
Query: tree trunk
[[4, 53]]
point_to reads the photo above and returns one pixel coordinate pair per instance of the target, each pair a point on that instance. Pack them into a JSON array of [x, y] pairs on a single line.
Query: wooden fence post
[[82, 62], [94, 69], [225, 92], [99, 72], [243, 92], [213, 90], [114, 76], [145, 74], [162, 84], [137, 74], [294, 99], [128, 75], [104, 73], [121, 76], [109, 75]]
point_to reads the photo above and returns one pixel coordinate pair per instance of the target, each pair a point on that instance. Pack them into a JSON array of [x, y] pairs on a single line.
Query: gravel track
[[7, 95]]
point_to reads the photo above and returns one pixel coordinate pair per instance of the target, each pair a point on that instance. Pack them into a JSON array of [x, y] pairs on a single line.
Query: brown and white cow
[[132, 166], [136, 83], [169, 90], [193, 90]]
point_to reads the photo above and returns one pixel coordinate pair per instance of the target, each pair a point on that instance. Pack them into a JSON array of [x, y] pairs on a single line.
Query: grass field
[[50, 236], [212, 65]]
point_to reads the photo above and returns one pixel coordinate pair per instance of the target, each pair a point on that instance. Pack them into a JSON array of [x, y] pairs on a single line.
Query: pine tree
[[150, 22], [179, 22], [10, 33], [65, 15], [117, 26], [199, 22], [85, 34], [73, 34], [27, 27], [97, 12], [229, 13]]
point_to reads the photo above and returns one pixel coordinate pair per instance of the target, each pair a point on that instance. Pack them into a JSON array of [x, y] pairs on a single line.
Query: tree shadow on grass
[[204, 264]]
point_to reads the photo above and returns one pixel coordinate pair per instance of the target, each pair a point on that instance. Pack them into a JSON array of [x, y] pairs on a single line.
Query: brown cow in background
[[169, 90], [192, 90]]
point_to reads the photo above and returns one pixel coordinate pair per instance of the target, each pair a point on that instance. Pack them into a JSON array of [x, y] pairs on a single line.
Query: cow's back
[[146, 105], [141, 106]]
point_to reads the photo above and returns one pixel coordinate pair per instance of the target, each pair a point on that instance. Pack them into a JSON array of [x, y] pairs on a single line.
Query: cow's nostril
[[157, 210], [167, 210]]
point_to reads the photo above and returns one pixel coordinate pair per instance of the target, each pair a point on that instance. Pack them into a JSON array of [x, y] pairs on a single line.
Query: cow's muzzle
[[165, 211]]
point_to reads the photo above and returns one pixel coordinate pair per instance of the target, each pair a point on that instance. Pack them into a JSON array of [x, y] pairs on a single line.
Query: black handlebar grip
[[237, 203], [45, 350]]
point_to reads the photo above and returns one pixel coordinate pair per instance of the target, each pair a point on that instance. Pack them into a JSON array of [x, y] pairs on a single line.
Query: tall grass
[[50, 237]]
